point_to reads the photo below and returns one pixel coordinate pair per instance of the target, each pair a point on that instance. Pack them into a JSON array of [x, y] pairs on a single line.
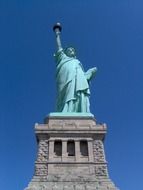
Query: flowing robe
[[72, 86]]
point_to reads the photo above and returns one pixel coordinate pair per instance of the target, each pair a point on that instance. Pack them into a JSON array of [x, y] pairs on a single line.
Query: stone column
[[51, 149], [90, 151], [77, 150], [64, 150]]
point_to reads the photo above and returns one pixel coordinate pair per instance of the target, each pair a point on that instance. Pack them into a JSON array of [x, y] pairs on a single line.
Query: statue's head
[[70, 52]]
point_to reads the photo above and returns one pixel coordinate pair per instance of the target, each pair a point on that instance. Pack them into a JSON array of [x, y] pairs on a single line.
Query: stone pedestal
[[70, 155]]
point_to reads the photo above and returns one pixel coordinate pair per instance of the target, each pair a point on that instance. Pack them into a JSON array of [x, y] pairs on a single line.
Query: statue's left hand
[[90, 73]]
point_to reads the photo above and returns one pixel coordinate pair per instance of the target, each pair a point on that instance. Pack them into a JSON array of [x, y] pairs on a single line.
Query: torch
[[57, 29]]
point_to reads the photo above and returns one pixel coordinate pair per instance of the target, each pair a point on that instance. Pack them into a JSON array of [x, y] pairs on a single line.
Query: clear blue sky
[[106, 34]]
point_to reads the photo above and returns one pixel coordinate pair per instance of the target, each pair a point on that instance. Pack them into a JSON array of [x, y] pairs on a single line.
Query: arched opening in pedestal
[[71, 148], [58, 148], [83, 148]]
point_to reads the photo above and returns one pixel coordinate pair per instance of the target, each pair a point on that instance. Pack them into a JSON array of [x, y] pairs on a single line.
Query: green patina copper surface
[[72, 81], [71, 114]]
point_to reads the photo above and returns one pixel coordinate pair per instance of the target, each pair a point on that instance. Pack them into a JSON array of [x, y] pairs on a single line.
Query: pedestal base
[[70, 155], [103, 185]]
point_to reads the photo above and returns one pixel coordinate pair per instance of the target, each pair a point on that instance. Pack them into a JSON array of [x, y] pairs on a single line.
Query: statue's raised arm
[[57, 29]]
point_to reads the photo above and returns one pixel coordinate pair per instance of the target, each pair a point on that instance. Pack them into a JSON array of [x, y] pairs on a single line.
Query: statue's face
[[70, 52]]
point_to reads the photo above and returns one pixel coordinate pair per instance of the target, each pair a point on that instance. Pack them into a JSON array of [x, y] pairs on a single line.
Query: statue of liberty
[[72, 82]]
